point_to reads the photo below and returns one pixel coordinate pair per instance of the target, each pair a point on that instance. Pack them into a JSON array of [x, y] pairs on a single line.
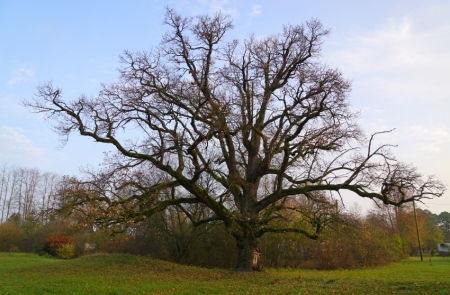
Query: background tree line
[[32, 203], [27, 193]]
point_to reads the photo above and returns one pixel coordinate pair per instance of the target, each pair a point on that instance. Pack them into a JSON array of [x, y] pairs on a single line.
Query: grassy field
[[127, 274]]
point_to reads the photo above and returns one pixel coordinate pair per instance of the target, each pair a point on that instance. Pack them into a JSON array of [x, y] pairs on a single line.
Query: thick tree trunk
[[249, 254]]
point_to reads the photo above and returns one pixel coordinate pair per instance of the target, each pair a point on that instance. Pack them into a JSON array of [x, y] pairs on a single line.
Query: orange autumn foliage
[[53, 243]]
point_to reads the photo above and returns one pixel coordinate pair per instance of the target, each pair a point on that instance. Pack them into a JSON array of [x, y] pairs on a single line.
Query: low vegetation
[[129, 274]]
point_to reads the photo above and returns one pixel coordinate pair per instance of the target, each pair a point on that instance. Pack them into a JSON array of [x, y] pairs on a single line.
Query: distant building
[[444, 249]]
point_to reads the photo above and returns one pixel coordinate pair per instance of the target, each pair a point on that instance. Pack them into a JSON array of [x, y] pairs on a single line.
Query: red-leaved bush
[[53, 243]]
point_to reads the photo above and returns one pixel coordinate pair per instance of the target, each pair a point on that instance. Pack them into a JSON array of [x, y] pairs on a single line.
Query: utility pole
[[417, 230]]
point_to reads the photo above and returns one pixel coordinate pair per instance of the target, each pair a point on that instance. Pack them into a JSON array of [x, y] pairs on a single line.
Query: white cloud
[[387, 48], [425, 145], [256, 10], [16, 148], [224, 6], [403, 60], [431, 139], [21, 75], [371, 110]]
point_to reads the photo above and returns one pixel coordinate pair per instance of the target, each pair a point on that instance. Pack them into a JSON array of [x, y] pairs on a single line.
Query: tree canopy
[[228, 130]]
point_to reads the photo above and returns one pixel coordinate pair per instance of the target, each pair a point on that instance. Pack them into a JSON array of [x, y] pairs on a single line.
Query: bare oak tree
[[238, 128]]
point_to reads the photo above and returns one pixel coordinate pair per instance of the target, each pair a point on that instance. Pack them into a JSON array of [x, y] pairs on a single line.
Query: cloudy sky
[[397, 54]]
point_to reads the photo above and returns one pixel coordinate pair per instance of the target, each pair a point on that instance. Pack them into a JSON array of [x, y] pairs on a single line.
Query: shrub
[[53, 243], [13, 248], [11, 237], [66, 251], [354, 243], [38, 248], [36, 240]]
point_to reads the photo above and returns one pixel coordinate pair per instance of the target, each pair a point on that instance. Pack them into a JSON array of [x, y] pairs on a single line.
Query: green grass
[[127, 274]]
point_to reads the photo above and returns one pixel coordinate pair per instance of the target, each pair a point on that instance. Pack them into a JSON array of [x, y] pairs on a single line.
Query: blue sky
[[397, 54]]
